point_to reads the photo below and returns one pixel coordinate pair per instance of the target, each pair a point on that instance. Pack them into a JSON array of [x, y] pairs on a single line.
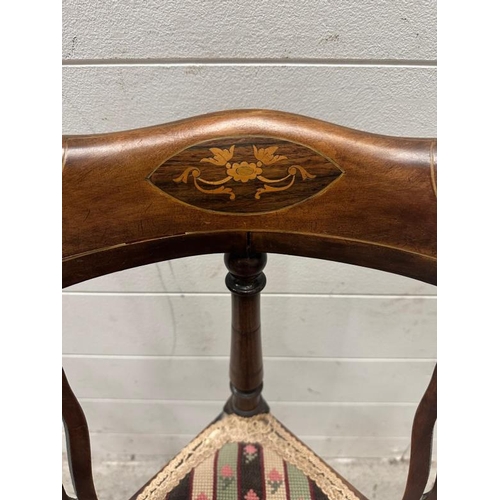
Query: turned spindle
[[246, 280]]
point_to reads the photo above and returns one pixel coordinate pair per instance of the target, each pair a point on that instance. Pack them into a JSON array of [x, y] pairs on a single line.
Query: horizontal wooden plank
[[322, 29], [389, 100], [200, 325], [304, 419], [285, 274], [289, 379]]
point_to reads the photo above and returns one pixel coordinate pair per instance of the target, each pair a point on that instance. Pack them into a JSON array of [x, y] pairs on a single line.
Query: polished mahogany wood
[[77, 444], [245, 281], [382, 207], [254, 170], [421, 442], [246, 183], [117, 258]]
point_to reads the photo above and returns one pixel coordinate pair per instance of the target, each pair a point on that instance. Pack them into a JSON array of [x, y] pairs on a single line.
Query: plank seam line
[[224, 294], [184, 358], [421, 63], [213, 402], [190, 436]]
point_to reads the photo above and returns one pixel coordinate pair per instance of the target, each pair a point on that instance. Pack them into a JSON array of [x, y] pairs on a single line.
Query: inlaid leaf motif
[[245, 174], [266, 155], [221, 156]]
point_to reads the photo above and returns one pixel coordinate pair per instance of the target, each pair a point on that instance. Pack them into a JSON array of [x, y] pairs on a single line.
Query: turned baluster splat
[[246, 280]]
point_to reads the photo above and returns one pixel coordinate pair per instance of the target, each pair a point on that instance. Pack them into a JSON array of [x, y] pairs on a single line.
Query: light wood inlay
[[245, 175], [371, 202], [433, 165]]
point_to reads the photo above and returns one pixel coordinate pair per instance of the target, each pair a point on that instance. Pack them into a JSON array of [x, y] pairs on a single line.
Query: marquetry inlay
[[245, 175]]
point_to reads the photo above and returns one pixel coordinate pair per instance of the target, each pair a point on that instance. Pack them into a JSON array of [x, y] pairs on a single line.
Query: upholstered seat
[[244, 184], [250, 458]]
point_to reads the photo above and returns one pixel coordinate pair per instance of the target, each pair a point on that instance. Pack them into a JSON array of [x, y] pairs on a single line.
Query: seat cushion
[[254, 458]]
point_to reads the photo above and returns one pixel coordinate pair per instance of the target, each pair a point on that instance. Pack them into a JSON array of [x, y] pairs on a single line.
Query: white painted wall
[[348, 351]]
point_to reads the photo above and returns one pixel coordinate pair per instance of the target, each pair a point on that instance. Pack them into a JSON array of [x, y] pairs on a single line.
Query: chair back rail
[[237, 180], [246, 183]]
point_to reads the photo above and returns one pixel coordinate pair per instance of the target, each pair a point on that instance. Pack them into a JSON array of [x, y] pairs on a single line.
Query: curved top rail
[[248, 180]]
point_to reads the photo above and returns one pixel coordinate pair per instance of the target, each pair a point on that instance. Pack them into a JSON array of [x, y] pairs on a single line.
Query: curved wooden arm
[[421, 443], [235, 181], [78, 444]]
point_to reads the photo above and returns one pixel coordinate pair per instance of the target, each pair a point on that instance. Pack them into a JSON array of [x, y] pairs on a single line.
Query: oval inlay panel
[[245, 175]]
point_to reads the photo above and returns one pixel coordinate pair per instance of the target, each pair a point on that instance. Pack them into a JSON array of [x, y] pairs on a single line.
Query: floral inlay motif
[[221, 156], [243, 172]]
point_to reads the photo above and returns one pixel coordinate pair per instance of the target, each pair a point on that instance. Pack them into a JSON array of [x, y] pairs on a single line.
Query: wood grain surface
[[245, 175], [381, 213], [245, 183]]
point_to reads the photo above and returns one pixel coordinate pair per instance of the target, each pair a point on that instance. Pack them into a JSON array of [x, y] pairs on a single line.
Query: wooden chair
[[247, 183]]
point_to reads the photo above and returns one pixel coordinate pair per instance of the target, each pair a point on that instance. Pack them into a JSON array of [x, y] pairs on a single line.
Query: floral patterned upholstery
[[253, 458]]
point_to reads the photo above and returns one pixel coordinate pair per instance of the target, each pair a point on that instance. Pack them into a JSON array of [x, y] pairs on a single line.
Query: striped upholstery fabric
[[246, 471], [254, 458]]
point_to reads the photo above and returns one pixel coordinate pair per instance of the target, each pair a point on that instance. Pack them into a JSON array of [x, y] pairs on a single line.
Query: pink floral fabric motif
[[226, 471], [274, 480], [226, 476], [251, 495], [202, 496], [250, 452]]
